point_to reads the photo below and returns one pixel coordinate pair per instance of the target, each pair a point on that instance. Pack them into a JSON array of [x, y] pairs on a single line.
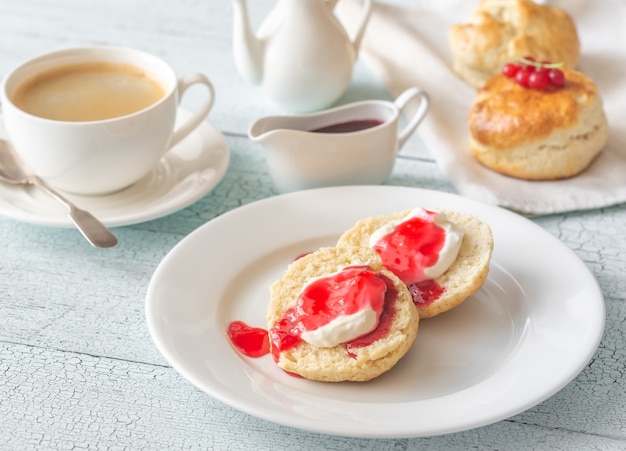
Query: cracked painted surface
[[78, 369]]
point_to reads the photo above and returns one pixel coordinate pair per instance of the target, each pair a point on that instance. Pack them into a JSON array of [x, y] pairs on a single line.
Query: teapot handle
[[401, 103], [360, 29]]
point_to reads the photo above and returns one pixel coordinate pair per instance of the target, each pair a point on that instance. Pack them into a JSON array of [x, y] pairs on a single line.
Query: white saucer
[[185, 174]]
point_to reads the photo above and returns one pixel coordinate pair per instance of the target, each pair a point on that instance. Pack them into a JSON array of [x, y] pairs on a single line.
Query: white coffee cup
[[100, 156]]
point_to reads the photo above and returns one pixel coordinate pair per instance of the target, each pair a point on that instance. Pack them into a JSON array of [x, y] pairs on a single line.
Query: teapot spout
[[362, 23], [248, 49]]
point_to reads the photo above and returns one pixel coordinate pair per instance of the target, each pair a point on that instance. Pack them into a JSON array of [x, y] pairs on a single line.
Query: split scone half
[[338, 315], [464, 272]]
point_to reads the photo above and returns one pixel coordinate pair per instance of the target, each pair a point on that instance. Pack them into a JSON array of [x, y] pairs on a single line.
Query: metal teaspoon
[[12, 170]]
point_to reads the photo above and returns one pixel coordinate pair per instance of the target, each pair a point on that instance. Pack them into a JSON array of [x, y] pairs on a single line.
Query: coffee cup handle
[[184, 83], [402, 101]]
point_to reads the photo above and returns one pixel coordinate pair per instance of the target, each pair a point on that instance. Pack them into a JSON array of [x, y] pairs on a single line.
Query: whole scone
[[462, 279], [359, 360], [500, 31], [538, 134]]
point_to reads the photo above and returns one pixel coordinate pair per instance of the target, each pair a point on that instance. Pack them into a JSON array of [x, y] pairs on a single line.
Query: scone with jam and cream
[[442, 256], [339, 315]]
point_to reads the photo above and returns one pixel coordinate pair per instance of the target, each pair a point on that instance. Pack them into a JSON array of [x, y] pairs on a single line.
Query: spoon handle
[[92, 229]]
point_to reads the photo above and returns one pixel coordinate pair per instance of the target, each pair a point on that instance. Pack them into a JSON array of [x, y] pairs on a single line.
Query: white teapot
[[301, 56]]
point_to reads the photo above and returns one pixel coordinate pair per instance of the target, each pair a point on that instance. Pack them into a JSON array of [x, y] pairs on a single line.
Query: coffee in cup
[[94, 120], [90, 91]]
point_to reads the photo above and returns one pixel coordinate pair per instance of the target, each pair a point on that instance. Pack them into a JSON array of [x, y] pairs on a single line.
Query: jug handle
[[401, 103], [360, 29]]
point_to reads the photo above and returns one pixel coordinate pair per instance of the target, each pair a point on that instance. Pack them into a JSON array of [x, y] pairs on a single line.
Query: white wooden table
[[78, 369]]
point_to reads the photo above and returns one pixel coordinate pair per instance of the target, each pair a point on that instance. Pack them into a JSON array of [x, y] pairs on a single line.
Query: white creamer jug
[[352, 144], [301, 56]]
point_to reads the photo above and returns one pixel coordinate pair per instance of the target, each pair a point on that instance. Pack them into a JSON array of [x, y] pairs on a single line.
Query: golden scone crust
[[538, 134], [336, 364], [501, 31], [466, 275]]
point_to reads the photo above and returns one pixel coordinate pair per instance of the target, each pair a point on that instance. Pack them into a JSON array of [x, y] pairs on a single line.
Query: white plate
[[525, 334], [185, 174]]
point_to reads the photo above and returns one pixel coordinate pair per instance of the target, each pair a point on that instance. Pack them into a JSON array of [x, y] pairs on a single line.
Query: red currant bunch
[[535, 75]]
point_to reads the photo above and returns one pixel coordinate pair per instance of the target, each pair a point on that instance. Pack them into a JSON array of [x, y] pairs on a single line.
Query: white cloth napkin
[[407, 45]]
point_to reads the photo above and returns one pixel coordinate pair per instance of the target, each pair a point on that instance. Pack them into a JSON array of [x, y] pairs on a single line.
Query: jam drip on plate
[[250, 341]]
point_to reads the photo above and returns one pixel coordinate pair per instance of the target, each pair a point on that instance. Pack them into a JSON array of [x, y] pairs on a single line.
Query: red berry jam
[[411, 247], [350, 126], [408, 250], [426, 292], [324, 299], [250, 341]]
